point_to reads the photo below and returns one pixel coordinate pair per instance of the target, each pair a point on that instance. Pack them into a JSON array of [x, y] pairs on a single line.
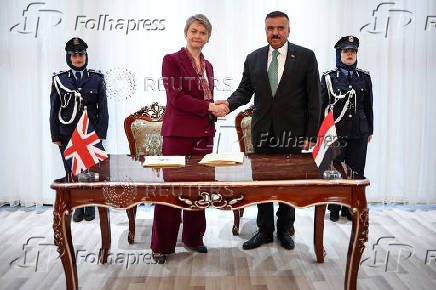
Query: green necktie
[[273, 72]]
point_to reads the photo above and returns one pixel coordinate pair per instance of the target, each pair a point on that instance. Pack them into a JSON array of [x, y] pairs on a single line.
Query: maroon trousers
[[166, 220]]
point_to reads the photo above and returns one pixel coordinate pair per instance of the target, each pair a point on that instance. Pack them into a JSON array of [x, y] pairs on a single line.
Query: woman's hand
[[220, 110]]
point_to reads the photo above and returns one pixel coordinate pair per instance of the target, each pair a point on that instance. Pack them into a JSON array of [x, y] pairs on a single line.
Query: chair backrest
[[143, 130], [243, 127]]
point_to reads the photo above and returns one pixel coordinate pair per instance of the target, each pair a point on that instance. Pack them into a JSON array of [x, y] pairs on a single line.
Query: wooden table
[[124, 183]]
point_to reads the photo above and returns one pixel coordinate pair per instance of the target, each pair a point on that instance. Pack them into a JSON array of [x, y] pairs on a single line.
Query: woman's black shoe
[[199, 249], [89, 213], [334, 215], [159, 258], [78, 215], [346, 212]]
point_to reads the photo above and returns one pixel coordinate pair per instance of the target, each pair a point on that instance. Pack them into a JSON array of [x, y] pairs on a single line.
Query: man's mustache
[[275, 37]]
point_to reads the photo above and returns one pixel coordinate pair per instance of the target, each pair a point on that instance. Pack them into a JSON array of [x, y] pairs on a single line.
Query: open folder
[[164, 161], [223, 159]]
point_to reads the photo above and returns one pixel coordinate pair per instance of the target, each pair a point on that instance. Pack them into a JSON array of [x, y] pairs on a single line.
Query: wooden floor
[[400, 254]]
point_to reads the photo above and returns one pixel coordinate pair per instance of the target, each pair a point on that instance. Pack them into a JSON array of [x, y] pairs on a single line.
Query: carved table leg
[[359, 235], [105, 229], [318, 233], [62, 237], [241, 212], [131, 213], [235, 229]]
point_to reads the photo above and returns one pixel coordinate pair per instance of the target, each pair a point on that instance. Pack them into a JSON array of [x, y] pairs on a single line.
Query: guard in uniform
[[348, 91], [71, 91]]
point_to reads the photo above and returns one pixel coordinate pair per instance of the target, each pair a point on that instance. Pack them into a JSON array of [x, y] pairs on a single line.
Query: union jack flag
[[84, 149]]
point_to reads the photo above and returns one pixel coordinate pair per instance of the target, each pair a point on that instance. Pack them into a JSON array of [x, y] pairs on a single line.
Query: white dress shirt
[[281, 58]]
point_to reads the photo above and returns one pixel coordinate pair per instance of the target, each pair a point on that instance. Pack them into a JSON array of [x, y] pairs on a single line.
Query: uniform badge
[[350, 39], [76, 41]]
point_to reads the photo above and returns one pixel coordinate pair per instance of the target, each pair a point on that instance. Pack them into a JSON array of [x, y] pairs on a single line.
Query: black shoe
[[292, 231], [159, 258], [334, 215], [199, 249], [89, 213], [286, 240], [257, 240], [346, 212], [78, 215]]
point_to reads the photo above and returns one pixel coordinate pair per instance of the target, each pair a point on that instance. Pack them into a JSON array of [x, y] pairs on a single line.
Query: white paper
[[164, 161], [228, 158]]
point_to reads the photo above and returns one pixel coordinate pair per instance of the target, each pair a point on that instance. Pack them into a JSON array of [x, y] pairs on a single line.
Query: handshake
[[220, 108]]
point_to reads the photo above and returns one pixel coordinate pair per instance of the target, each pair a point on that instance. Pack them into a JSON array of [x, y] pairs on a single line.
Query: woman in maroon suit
[[188, 129]]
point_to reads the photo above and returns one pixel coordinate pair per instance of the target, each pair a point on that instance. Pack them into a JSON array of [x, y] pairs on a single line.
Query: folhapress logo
[[389, 20], [36, 16], [107, 23]]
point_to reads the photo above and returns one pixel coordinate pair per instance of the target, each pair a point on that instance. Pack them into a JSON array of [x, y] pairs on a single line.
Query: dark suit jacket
[[358, 121], [295, 108], [186, 112], [93, 90]]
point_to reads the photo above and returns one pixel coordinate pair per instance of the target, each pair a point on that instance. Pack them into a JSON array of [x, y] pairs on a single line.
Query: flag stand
[[87, 176], [331, 173]]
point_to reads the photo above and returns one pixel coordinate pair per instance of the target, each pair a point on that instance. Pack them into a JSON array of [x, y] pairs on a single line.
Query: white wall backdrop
[[397, 45]]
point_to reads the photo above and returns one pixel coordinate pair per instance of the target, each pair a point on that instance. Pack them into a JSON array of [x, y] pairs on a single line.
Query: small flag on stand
[[326, 148], [84, 149]]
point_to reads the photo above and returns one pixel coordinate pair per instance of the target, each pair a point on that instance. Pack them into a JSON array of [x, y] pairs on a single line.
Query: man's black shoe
[[334, 215], [89, 213], [286, 240], [78, 215], [257, 240], [346, 212]]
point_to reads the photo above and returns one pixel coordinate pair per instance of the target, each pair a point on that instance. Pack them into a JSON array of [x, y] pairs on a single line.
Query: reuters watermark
[[186, 83]]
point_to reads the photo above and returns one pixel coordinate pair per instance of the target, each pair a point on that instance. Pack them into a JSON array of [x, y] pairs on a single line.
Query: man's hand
[[219, 110], [57, 143], [307, 145], [369, 138], [223, 103]]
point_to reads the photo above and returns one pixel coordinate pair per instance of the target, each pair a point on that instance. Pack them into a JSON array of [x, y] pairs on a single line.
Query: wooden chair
[[143, 133], [243, 128]]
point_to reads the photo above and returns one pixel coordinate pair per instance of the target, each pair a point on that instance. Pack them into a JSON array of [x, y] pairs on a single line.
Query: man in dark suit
[[285, 82]]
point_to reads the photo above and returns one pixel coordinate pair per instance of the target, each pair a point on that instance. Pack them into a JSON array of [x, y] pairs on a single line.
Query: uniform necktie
[[349, 76], [78, 76], [273, 72]]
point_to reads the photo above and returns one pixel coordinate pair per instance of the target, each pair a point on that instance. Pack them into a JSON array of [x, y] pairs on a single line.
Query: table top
[[258, 168]]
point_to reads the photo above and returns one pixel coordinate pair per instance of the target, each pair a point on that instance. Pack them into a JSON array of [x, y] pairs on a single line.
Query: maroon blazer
[[186, 112]]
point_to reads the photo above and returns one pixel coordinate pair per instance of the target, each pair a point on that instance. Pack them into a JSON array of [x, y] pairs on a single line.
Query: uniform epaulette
[[98, 72], [59, 73], [364, 71], [329, 71]]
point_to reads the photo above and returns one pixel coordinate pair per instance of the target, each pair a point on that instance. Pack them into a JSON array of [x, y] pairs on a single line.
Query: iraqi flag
[[84, 149], [326, 148]]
